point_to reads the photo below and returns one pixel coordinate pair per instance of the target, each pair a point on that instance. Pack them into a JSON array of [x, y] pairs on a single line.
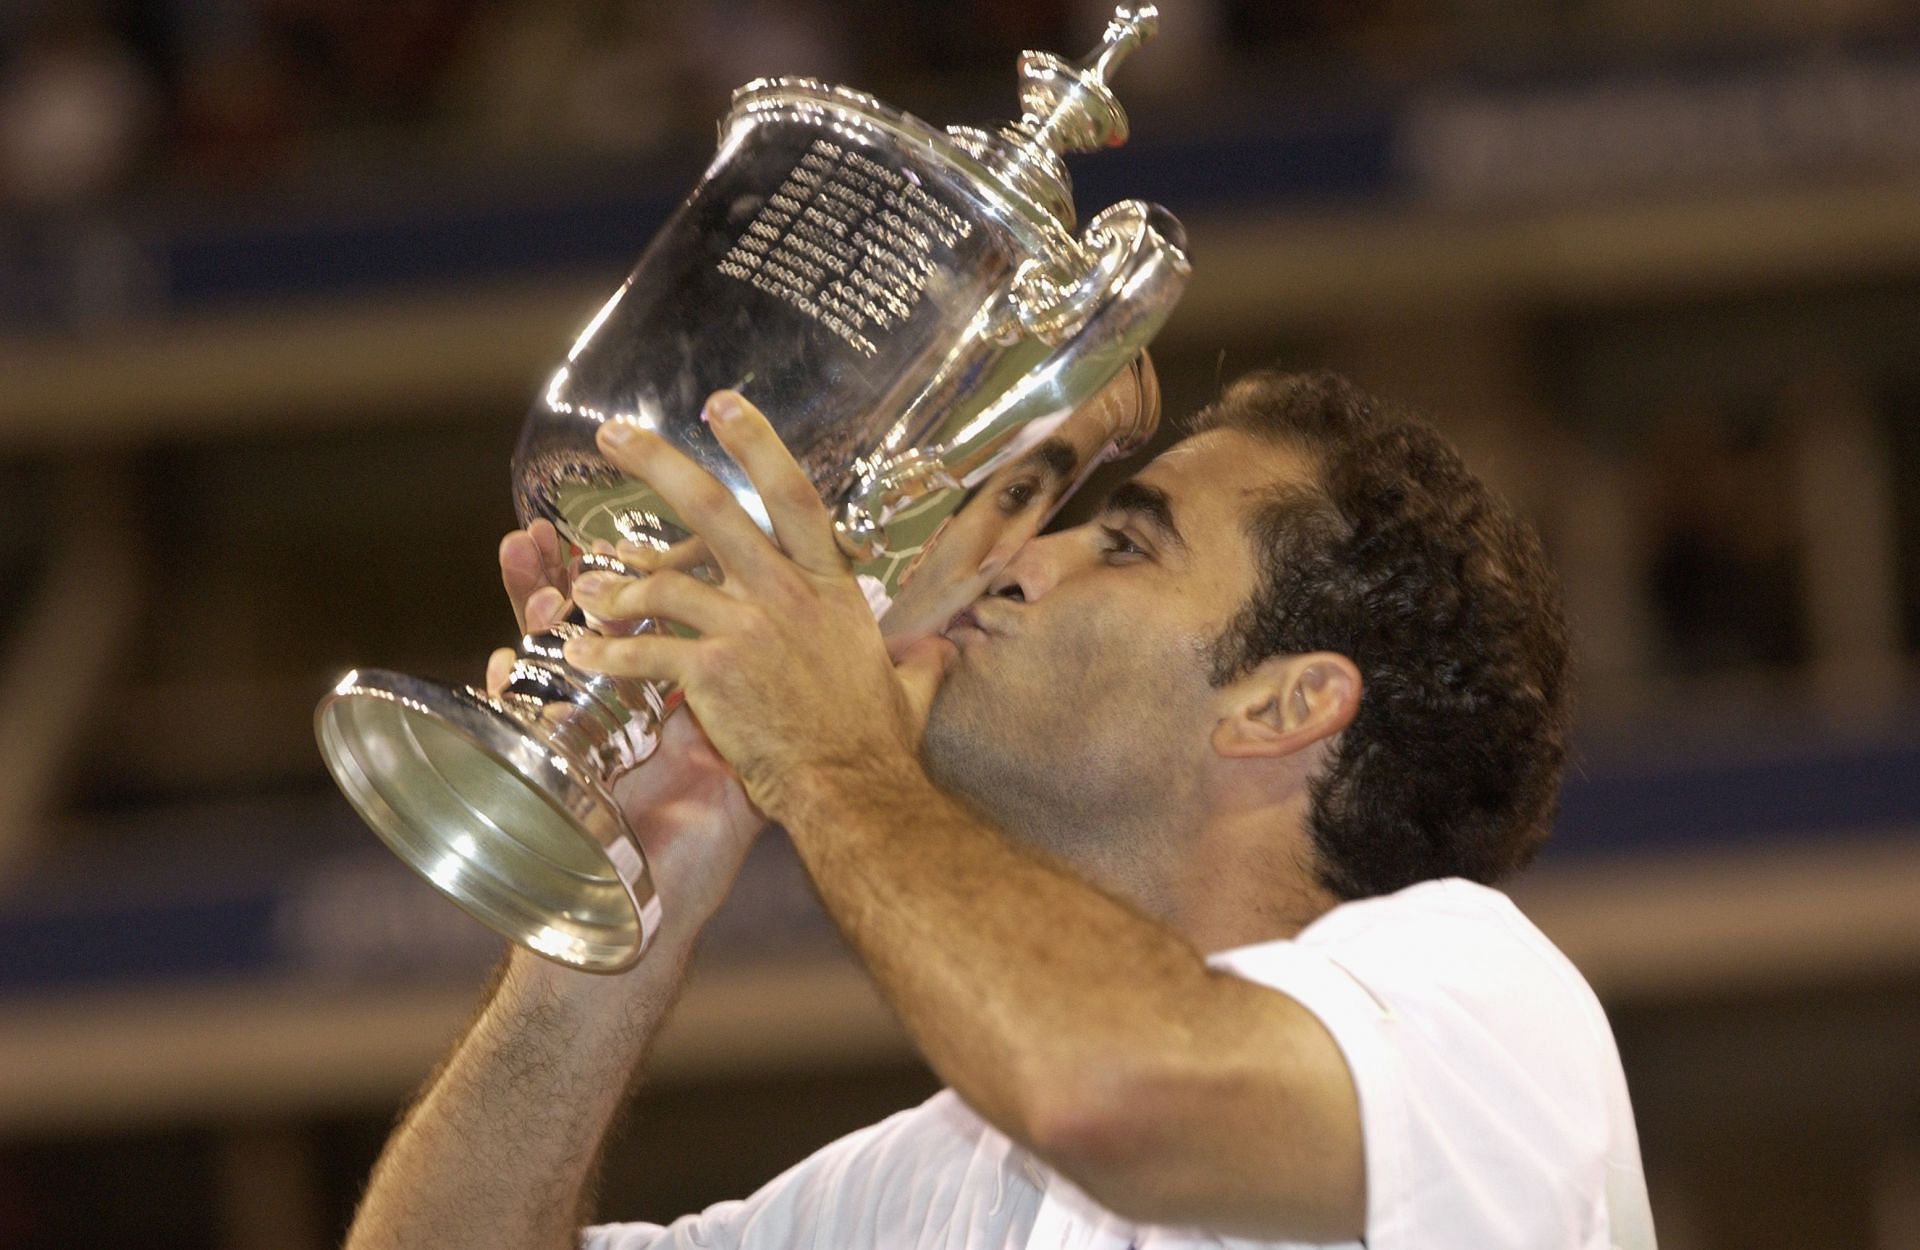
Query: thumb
[[920, 670]]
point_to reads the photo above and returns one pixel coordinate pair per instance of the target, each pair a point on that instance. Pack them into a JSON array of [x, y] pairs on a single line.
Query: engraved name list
[[846, 241]]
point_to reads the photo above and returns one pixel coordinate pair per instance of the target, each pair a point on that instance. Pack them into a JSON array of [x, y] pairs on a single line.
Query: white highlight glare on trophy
[[909, 306]]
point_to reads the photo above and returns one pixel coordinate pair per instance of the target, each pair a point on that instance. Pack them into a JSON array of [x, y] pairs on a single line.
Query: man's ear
[[1286, 705]]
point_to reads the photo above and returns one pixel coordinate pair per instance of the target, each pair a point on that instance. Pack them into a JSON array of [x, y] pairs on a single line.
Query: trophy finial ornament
[[1069, 105]]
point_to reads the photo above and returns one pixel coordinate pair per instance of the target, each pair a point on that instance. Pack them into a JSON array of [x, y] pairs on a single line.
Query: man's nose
[[1006, 548], [1035, 568]]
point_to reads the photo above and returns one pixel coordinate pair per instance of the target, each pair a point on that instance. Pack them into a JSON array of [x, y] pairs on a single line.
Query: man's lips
[[964, 619], [981, 617]]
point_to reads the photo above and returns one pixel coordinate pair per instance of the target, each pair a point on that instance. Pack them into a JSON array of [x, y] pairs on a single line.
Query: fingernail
[[618, 433], [594, 583], [722, 407]]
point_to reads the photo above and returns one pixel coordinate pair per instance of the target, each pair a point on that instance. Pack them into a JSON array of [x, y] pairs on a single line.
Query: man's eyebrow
[[1055, 455], [1151, 505]]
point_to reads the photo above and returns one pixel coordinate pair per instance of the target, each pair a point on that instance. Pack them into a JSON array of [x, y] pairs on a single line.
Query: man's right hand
[[683, 803]]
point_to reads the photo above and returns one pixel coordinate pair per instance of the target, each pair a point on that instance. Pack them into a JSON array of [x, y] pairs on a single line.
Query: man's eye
[[1118, 544], [1018, 495]]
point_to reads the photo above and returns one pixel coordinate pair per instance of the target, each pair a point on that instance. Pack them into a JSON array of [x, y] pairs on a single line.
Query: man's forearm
[[1022, 984], [501, 1149]]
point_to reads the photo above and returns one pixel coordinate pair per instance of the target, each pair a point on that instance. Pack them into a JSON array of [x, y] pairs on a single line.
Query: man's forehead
[[1222, 464]]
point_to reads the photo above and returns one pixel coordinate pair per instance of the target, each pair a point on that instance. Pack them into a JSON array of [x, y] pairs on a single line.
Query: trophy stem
[[607, 725], [506, 805]]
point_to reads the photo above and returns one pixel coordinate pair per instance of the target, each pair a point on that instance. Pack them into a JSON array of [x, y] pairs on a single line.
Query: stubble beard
[[1008, 755], [973, 749]]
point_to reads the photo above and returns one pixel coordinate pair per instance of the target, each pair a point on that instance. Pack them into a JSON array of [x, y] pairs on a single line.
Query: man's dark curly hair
[[1401, 560]]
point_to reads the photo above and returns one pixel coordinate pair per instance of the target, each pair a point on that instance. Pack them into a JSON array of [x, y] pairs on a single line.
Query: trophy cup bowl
[[910, 307]]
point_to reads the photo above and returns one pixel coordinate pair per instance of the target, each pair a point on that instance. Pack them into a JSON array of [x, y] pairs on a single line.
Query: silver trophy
[[911, 309]]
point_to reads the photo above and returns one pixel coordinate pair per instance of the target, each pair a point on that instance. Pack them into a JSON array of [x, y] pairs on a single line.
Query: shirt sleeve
[[1478, 1078]]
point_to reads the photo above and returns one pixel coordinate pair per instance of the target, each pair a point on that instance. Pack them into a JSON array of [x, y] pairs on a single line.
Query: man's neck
[[1221, 884], [1247, 879]]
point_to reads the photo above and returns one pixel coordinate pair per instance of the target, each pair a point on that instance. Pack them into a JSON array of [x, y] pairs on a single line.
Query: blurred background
[[278, 279]]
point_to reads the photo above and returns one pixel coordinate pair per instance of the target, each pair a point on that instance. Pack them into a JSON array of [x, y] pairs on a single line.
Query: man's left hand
[[788, 674]]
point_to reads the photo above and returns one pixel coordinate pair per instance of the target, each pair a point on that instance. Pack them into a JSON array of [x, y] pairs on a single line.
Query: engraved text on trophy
[[846, 241]]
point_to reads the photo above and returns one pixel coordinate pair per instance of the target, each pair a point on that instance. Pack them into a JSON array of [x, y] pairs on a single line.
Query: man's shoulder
[[1450, 910], [1441, 901], [1438, 946], [1477, 1051], [1433, 925]]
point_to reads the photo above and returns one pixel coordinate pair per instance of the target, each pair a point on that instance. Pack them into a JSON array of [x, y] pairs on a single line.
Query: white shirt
[[1492, 1107]]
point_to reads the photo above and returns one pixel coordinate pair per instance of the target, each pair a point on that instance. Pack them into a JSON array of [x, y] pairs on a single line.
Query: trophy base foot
[[479, 804]]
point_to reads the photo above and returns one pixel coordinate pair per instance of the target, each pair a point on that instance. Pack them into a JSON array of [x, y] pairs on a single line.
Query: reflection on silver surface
[[911, 308]]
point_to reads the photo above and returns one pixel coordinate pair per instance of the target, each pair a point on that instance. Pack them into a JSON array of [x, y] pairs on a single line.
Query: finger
[[920, 670], [643, 560], [521, 572], [553, 552], [800, 520], [657, 657], [499, 671], [1149, 404], [686, 555], [546, 608], [668, 595], [703, 504]]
